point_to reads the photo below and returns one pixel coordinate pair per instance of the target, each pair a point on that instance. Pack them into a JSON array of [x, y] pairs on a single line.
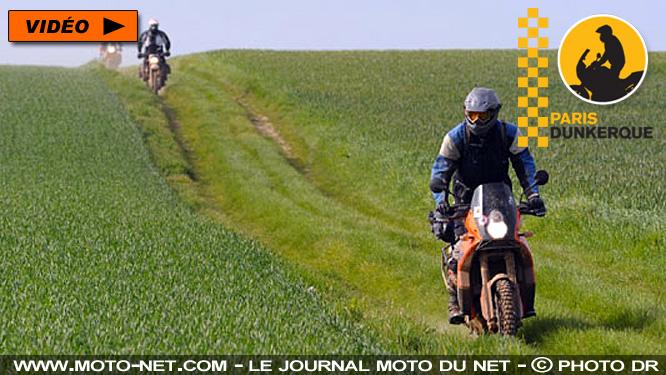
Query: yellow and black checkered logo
[[532, 81]]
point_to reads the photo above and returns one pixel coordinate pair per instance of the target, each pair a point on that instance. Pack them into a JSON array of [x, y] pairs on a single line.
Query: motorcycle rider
[[613, 51], [110, 54], [478, 151], [154, 41], [103, 48]]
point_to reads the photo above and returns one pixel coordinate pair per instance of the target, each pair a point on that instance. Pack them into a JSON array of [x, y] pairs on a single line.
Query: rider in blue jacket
[[475, 152]]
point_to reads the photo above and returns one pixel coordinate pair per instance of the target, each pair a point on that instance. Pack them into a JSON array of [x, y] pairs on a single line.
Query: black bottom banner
[[329, 365]]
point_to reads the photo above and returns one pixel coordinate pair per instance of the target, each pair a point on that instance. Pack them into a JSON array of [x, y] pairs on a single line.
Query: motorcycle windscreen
[[492, 205]]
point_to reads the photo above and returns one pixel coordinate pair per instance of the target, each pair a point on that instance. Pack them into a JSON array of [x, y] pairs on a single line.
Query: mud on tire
[[505, 307]]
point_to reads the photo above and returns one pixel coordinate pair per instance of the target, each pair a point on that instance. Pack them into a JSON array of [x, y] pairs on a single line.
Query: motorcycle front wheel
[[505, 308], [154, 81], [112, 62]]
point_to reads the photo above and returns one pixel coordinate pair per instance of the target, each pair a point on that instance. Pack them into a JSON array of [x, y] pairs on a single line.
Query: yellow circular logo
[[602, 59]]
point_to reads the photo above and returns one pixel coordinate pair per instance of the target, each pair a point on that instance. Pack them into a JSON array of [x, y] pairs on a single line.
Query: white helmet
[[153, 23]]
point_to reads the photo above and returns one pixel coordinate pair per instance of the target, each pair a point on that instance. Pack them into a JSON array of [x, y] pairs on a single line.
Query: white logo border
[[559, 50]]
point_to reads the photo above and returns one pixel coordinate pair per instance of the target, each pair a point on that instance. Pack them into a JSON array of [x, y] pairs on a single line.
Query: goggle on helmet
[[481, 109]]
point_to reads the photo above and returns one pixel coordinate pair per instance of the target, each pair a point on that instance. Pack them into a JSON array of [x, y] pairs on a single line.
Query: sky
[[195, 26]]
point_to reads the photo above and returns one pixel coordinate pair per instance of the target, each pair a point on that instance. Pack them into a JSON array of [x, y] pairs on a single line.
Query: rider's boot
[[167, 71], [455, 315], [449, 267]]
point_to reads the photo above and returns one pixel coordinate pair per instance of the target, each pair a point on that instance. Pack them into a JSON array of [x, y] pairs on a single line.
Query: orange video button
[[73, 25]]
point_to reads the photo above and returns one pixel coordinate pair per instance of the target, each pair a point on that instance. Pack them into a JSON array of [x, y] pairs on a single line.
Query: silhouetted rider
[[478, 151], [153, 41], [613, 51]]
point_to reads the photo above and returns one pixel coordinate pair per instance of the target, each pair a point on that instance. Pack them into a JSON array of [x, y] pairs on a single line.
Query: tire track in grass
[[330, 85], [342, 250], [175, 126], [330, 218]]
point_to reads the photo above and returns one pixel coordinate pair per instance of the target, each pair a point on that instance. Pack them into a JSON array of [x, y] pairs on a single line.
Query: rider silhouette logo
[[602, 59]]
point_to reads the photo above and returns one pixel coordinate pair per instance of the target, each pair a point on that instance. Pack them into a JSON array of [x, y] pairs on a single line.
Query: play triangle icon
[[111, 26]]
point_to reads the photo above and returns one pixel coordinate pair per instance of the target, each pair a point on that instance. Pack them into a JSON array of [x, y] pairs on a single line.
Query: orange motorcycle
[[495, 272]]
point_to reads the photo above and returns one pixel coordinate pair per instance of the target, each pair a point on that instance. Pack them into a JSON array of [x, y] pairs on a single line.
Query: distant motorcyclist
[[104, 48], [154, 41], [110, 53], [478, 151]]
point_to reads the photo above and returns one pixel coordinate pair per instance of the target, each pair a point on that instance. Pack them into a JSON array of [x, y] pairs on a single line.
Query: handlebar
[[142, 55], [454, 212], [459, 211]]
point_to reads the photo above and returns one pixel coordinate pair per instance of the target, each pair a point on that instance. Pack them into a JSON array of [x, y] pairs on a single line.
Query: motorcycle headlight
[[154, 59], [112, 49], [496, 227]]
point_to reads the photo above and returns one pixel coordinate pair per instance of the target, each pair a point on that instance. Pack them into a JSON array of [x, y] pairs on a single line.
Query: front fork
[[488, 281]]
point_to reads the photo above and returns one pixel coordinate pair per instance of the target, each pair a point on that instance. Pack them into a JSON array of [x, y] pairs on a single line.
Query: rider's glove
[[439, 224], [139, 56], [443, 207], [167, 53], [536, 204]]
